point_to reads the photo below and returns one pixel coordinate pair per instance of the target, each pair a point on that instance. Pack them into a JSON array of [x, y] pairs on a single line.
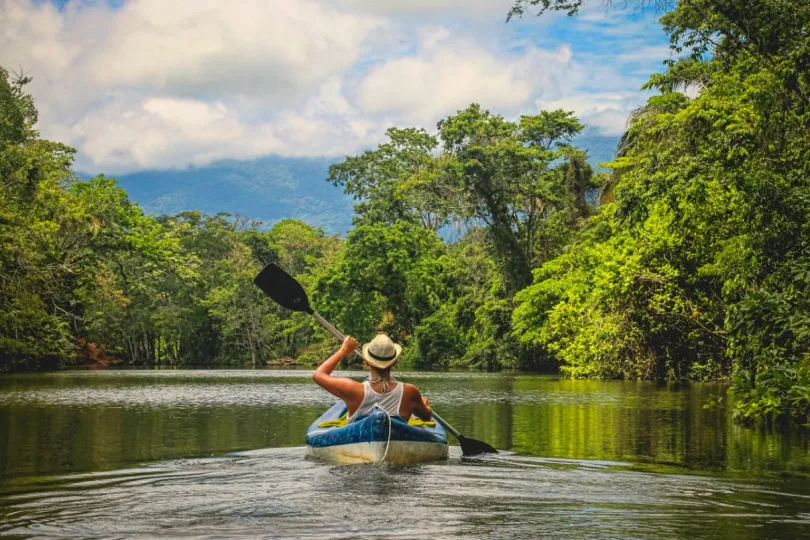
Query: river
[[219, 454]]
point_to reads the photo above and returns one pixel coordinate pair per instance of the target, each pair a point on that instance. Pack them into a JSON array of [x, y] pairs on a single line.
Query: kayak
[[374, 438]]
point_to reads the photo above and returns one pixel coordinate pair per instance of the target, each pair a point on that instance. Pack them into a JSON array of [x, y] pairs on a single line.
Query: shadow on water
[[584, 459]]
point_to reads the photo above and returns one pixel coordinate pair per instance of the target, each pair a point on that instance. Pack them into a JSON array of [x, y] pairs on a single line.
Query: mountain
[[273, 188], [600, 148], [268, 189]]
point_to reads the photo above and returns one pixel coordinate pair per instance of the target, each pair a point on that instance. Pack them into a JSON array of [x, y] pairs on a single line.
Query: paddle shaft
[[340, 337], [446, 426], [331, 329]]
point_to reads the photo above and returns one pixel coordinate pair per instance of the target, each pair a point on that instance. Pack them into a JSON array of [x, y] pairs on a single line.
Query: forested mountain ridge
[[268, 189]]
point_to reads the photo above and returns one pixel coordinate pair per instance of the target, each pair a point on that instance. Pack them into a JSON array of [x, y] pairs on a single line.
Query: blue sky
[[150, 84]]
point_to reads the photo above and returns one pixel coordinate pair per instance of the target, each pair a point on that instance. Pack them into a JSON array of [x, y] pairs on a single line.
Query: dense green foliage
[[699, 266], [86, 274], [694, 265], [517, 192]]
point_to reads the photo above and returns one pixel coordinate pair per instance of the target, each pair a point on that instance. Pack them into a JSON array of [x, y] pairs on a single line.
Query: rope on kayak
[[388, 442]]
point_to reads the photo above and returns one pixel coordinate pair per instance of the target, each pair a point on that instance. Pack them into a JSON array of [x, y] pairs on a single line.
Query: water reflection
[[92, 421]]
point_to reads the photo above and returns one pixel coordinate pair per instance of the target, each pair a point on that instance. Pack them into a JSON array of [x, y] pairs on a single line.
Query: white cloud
[[186, 46], [218, 47], [606, 111], [654, 53], [156, 83], [460, 9], [448, 73], [166, 132]]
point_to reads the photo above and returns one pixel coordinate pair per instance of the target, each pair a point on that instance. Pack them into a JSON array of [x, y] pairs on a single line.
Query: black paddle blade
[[283, 288], [473, 447]]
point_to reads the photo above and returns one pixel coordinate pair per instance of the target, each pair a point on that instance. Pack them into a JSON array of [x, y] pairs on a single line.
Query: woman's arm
[[342, 387], [420, 406], [423, 410]]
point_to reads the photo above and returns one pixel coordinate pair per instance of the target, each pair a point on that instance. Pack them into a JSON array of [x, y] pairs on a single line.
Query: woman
[[397, 398]]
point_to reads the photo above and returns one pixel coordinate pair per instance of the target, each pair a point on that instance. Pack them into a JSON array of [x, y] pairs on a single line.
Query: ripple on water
[[260, 388], [175, 395], [280, 493]]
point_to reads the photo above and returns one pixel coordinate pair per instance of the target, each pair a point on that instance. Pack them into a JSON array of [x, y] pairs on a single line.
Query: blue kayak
[[374, 438]]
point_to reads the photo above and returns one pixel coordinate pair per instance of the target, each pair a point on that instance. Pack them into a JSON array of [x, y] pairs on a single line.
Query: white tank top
[[389, 401]]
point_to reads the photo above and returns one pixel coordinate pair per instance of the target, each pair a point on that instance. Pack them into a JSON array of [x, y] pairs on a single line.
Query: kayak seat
[[343, 420]]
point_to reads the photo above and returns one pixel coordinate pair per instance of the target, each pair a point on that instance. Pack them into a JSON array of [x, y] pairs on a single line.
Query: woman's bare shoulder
[[410, 391]]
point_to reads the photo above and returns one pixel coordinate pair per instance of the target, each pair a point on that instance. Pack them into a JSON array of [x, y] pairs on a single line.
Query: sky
[[152, 84]]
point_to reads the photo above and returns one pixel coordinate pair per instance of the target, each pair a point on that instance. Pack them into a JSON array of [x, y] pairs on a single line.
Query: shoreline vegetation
[[689, 260]]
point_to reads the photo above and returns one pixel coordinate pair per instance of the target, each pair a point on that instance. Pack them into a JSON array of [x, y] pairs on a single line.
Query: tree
[[374, 178], [549, 128], [42, 230], [518, 188], [504, 177], [579, 178], [384, 279]]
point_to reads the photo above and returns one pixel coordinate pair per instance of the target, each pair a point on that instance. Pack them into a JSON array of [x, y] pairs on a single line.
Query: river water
[[219, 454]]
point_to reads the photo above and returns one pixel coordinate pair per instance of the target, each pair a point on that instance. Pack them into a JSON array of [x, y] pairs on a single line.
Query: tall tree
[[505, 179], [375, 178], [43, 231]]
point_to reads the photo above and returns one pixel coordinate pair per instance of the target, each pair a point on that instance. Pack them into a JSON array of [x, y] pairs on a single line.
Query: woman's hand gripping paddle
[[287, 292]]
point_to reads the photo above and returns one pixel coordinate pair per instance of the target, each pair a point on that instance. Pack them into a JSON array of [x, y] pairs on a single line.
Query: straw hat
[[381, 352]]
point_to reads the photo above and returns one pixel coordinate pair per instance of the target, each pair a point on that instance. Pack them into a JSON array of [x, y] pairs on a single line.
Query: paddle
[[287, 292]]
